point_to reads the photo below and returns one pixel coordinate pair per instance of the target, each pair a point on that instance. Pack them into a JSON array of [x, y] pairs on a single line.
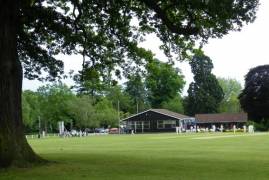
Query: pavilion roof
[[163, 112], [221, 117]]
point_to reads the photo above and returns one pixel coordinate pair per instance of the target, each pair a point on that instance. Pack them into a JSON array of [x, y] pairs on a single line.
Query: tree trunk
[[14, 149]]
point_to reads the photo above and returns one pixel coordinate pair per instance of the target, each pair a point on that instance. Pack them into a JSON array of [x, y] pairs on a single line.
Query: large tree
[[231, 89], [53, 102], [104, 32], [205, 93], [105, 114], [254, 98], [119, 98], [136, 89], [163, 82], [82, 112], [175, 104]]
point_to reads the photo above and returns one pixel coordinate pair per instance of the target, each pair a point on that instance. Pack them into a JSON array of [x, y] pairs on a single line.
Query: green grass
[[151, 156]]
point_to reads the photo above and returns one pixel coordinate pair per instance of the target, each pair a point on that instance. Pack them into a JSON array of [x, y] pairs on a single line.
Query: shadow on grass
[[110, 166]]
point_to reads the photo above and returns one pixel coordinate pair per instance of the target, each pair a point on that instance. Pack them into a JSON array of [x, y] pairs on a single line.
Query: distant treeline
[[96, 102]]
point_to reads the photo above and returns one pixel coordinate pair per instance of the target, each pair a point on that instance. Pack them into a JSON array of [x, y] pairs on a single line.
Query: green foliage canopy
[[106, 115], [56, 102], [231, 89], [81, 111], [175, 105], [30, 109], [136, 89], [107, 32], [53, 101], [118, 97], [163, 82]]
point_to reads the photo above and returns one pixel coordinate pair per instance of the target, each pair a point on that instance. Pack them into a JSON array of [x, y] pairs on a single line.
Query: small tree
[[205, 94], [254, 98]]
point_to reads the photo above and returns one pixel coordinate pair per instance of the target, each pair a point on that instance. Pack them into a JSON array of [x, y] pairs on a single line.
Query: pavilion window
[[138, 124], [166, 124], [131, 124], [160, 124], [146, 124], [170, 124]]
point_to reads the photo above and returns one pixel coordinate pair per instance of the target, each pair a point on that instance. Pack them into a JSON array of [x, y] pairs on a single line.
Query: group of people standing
[[180, 129]]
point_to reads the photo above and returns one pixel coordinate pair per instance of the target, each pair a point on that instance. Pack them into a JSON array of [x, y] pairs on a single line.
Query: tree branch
[[174, 28]]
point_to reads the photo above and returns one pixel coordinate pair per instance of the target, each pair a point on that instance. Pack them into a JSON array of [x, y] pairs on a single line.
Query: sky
[[232, 56]]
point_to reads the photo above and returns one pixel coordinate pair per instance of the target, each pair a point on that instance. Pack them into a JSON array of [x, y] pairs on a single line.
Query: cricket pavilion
[[157, 120], [162, 120]]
